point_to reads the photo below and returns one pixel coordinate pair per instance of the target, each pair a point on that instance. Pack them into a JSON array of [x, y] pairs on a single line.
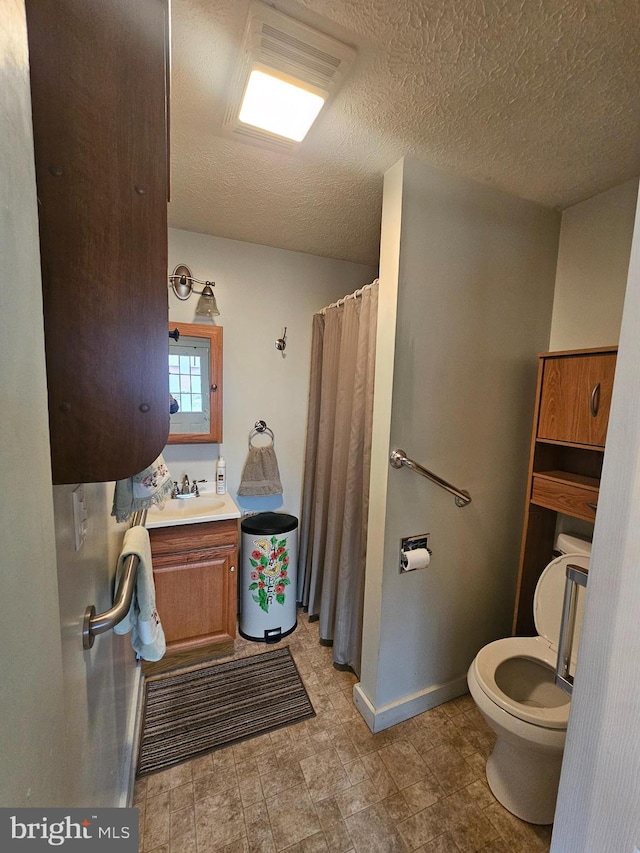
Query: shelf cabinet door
[[576, 398], [99, 105], [196, 597]]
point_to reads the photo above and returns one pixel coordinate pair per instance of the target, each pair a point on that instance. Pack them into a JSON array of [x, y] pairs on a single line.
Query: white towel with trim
[[147, 634], [151, 487]]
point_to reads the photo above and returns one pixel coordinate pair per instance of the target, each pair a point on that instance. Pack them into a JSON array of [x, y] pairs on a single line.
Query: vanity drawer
[[571, 498], [194, 537]]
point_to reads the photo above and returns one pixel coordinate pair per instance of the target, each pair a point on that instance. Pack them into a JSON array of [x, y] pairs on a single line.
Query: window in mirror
[[195, 372]]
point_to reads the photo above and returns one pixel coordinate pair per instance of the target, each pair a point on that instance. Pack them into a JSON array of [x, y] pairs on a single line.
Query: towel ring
[[259, 428]]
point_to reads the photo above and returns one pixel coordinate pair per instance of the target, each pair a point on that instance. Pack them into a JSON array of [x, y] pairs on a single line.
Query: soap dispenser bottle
[[221, 476]]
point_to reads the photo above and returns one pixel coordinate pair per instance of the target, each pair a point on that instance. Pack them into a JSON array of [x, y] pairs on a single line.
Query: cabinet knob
[[214, 387], [232, 569]]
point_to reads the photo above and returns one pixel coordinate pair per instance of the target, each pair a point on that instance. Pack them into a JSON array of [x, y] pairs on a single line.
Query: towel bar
[[260, 428], [399, 458], [97, 624]]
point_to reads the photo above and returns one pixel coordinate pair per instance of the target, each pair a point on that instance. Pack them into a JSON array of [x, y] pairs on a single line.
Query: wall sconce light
[[182, 282]]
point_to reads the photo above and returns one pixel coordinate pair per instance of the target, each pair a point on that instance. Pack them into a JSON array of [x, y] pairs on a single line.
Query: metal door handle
[[594, 402], [576, 576], [594, 507]]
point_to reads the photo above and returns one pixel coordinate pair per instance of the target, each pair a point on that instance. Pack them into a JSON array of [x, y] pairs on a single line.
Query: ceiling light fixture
[[287, 73], [279, 106]]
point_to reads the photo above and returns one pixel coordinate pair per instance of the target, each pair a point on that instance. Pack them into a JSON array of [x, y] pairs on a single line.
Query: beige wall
[[598, 800], [593, 259], [66, 716], [259, 290], [470, 272], [102, 684], [31, 699]]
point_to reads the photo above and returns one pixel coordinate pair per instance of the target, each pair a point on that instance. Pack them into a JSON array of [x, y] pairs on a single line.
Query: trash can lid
[[269, 522]]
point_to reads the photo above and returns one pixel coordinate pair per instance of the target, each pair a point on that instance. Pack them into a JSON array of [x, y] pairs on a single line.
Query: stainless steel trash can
[[268, 576]]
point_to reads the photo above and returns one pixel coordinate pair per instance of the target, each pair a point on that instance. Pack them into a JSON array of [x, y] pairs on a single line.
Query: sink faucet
[[187, 487]]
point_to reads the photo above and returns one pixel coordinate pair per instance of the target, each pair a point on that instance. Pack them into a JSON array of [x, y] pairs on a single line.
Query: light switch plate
[[79, 516]]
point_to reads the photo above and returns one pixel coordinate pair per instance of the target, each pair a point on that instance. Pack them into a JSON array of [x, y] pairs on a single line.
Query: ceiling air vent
[[280, 47]]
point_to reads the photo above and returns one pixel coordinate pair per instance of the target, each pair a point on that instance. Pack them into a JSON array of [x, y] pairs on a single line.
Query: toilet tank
[[566, 543]]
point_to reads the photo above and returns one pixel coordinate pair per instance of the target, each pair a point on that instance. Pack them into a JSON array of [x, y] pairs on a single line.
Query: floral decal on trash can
[[270, 562]]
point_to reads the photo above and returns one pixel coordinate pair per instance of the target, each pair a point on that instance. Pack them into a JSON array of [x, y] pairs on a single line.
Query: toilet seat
[[543, 649], [536, 649]]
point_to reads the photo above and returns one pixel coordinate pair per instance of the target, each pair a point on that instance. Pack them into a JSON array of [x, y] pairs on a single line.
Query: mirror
[[195, 383]]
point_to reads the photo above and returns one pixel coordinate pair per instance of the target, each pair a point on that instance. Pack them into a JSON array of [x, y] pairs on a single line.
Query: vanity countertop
[[209, 506]]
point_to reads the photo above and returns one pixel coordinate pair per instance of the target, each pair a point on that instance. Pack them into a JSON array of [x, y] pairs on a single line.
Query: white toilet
[[512, 683]]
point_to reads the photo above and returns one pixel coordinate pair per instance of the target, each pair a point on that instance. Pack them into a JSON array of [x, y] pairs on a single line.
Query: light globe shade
[[279, 107], [207, 305]]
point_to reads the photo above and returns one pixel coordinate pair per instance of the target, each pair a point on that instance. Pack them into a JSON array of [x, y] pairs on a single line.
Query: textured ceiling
[[537, 97]]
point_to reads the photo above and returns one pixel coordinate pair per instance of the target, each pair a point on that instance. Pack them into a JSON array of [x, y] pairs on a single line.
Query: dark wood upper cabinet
[[99, 97]]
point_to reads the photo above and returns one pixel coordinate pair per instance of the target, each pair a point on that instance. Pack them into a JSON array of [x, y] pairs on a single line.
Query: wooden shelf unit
[[573, 399]]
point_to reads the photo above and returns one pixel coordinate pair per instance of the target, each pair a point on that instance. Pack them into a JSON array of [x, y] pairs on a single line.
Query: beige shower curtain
[[333, 528]]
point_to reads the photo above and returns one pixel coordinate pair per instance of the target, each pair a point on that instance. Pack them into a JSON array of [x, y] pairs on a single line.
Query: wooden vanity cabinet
[[195, 574], [573, 399]]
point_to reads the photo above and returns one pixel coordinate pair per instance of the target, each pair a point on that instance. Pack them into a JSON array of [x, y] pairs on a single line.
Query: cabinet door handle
[[594, 507], [232, 569], [594, 403], [214, 387]]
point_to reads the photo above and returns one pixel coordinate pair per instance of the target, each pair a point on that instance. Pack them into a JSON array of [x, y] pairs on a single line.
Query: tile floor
[[327, 785]]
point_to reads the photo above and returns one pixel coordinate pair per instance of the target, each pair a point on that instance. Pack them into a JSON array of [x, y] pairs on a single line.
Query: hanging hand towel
[[260, 475], [147, 634], [148, 488]]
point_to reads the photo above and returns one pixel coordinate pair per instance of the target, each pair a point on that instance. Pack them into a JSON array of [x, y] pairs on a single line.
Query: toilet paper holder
[[411, 543]]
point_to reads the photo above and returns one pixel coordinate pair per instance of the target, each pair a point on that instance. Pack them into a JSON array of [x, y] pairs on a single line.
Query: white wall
[[591, 279], [259, 290], [31, 699], [102, 684], [65, 715], [474, 273], [598, 802], [593, 260]]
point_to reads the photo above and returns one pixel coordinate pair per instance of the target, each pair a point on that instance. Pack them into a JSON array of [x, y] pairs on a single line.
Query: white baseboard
[[403, 709], [132, 735]]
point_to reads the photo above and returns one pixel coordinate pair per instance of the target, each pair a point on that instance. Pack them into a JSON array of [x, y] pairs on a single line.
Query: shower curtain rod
[[353, 295]]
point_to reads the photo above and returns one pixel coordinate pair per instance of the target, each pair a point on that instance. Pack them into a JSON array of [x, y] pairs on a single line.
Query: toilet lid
[[549, 596]]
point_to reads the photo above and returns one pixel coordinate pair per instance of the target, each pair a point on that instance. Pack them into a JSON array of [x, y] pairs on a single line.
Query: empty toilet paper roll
[[415, 558]]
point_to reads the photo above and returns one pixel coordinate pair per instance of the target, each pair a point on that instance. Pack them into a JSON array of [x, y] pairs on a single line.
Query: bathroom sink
[[193, 510]]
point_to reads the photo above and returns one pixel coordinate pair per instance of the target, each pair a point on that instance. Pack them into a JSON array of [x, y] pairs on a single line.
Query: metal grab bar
[[576, 576], [97, 624], [399, 458]]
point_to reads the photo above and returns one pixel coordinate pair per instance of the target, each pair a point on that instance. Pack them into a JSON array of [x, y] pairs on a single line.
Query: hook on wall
[[281, 343]]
